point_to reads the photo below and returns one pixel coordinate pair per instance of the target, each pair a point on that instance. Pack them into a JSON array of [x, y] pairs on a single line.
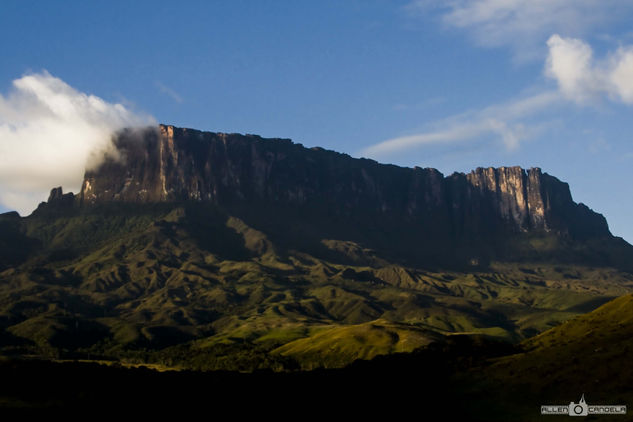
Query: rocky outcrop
[[58, 197], [58, 200], [174, 164]]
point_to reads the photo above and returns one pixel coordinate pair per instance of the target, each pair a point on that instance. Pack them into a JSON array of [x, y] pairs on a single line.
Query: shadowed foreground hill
[[588, 355], [421, 383], [590, 352], [465, 378]]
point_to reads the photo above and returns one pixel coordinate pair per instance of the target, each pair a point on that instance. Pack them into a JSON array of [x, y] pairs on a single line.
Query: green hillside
[[588, 355], [590, 352], [194, 285]]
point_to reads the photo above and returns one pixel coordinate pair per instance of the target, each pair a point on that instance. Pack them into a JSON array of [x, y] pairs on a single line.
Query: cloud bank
[[502, 122], [581, 78], [50, 133], [523, 25]]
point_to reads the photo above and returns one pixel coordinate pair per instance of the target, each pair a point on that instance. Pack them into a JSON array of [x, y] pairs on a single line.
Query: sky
[[453, 84]]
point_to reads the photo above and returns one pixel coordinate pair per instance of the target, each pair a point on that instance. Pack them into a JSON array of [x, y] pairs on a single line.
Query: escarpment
[[474, 217], [174, 164]]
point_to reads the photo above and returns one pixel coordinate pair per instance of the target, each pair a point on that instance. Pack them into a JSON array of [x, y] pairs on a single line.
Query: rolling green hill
[[590, 352], [196, 285]]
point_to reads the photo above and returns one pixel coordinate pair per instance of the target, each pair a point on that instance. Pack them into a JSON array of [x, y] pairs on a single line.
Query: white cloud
[[570, 63], [621, 74], [501, 121], [458, 132], [524, 24], [581, 78], [49, 134]]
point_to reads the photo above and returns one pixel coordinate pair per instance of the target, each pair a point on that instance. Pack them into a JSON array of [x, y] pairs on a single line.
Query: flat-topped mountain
[[210, 250], [174, 164], [416, 214]]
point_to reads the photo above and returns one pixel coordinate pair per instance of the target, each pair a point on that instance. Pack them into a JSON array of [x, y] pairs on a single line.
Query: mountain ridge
[[236, 252], [466, 219], [185, 164]]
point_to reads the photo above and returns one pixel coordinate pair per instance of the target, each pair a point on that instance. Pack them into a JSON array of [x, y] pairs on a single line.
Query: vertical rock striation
[[174, 164]]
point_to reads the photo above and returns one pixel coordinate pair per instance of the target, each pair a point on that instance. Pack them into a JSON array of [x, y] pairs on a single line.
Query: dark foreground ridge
[[425, 382]]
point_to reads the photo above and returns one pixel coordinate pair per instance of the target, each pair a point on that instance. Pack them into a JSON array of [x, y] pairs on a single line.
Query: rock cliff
[[174, 164]]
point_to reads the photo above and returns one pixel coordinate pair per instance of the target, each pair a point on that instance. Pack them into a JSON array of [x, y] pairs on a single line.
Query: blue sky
[[447, 84]]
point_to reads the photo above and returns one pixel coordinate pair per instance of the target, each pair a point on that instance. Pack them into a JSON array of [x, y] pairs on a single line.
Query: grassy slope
[[589, 354], [339, 345], [592, 351]]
